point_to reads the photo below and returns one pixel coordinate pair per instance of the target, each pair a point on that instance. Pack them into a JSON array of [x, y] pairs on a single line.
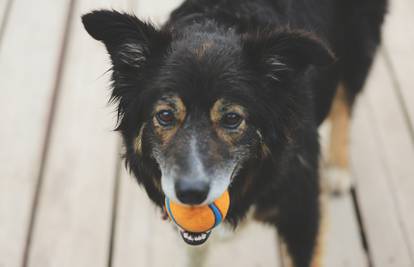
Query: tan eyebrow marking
[[221, 107], [174, 103]]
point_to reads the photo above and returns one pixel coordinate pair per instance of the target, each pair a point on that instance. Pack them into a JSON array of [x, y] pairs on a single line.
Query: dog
[[229, 95]]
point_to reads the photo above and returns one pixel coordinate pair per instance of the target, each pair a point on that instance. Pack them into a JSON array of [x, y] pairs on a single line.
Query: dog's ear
[[284, 50], [129, 41]]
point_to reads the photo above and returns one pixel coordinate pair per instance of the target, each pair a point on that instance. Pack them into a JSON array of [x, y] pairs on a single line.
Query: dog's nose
[[191, 192]]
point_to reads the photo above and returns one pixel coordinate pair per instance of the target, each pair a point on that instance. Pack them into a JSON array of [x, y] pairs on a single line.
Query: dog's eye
[[165, 117], [231, 120]]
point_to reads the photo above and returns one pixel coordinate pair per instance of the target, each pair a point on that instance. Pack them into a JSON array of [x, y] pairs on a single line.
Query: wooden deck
[[65, 199]]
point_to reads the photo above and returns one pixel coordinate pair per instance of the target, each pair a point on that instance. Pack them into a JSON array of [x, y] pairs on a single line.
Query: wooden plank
[[398, 149], [379, 209], [28, 66], [254, 244], [73, 220], [343, 243], [156, 11], [4, 5], [399, 43], [133, 227], [342, 240], [139, 225]]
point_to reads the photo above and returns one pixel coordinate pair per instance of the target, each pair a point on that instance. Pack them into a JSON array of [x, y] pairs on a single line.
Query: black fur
[[274, 57]]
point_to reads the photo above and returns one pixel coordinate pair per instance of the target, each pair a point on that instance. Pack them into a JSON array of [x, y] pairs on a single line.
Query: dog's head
[[196, 107]]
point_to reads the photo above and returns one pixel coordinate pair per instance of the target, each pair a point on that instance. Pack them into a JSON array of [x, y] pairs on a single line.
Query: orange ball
[[198, 219]]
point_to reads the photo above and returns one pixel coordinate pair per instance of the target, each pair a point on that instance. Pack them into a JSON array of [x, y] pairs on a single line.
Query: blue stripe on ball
[[217, 214], [167, 202]]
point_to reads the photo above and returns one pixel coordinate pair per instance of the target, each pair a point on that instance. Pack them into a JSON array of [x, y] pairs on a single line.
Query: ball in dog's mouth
[[196, 222], [194, 239]]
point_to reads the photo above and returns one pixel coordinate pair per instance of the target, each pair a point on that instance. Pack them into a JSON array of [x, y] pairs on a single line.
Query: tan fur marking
[[165, 135], [138, 140], [181, 110], [319, 252], [216, 113], [286, 258], [339, 141], [157, 183], [201, 50], [174, 103]]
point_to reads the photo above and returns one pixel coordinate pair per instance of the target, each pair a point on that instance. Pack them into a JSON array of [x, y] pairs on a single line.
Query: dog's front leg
[[301, 230], [297, 218], [336, 172]]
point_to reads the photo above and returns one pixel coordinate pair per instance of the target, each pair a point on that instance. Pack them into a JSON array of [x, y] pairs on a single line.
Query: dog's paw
[[336, 181]]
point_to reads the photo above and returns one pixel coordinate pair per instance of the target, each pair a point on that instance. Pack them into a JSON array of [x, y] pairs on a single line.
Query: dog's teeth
[[194, 238], [189, 237]]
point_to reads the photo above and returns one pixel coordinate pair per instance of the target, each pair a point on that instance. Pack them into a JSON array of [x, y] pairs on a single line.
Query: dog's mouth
[[194, 239]]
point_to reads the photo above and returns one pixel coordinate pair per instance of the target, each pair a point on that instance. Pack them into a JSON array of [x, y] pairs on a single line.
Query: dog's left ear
[[277, 51], [129, 41]]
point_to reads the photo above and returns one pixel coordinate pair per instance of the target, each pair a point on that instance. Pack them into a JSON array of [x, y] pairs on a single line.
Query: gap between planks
[[74, 213], [398, 40], [398, 91], [377, 202], [393, 133], [5, 7], [115, 203], [49, 129], [25, 105]]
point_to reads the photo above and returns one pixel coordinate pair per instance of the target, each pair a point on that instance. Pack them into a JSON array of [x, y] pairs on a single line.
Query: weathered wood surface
[[377, 195], [141, 237], [73, 219], [4, 11], [397, 149], [343, 242], [28, 65], [399, 43], [156, 11], [396, 126]]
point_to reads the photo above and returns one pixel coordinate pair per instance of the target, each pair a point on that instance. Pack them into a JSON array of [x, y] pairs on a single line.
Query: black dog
[[229, 95]]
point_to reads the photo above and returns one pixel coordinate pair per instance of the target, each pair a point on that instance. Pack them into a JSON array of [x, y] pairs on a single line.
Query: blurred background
[[66, 200]]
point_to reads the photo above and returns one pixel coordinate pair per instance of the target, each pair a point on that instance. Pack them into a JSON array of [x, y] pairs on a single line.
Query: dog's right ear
[[279, 50], [129, 41]]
